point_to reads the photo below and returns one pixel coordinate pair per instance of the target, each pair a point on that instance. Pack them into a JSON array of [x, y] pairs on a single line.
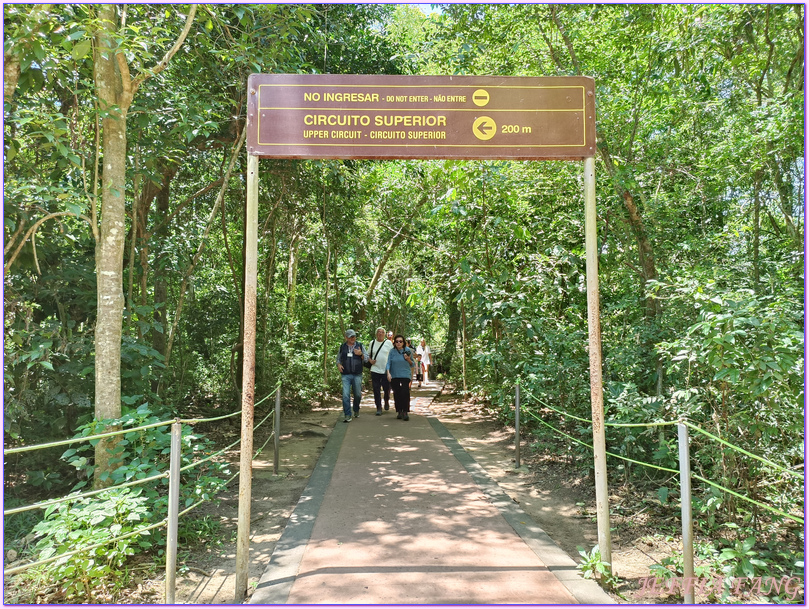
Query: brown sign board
[[351, 116]]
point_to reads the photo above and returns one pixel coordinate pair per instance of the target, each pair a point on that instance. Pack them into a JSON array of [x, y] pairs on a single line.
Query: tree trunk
[[756, 229], [363, 311], [292, 282], [110, 247], [326, 322], [645, 250], [11, 60], [11, 75], [144, 250], [265, 319], [137, 203], [326, 304], [463, 344], [451, 344], [398, 237], [646, 257], [115, 90], [160, 284], [784, 201]]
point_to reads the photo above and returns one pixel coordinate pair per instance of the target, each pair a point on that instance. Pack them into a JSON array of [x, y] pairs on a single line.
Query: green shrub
[[103, 519], [88, 522]]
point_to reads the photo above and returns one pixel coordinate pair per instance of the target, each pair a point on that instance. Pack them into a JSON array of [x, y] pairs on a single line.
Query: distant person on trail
[[349, 360], [401, 362], [419, 369], [378, 357], [424, 351]]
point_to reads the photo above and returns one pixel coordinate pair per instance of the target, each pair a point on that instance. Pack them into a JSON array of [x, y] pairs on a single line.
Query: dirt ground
[[560, 504]]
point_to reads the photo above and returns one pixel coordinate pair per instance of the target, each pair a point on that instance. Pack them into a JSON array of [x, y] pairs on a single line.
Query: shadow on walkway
[[396, 512]]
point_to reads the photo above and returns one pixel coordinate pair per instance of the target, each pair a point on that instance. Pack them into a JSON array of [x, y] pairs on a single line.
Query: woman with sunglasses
[[401, 362]]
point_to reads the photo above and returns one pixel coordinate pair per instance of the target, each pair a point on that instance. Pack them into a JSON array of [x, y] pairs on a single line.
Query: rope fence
[[590, 446], [274, 436], [80, 496], [691, 426], [684, 471]]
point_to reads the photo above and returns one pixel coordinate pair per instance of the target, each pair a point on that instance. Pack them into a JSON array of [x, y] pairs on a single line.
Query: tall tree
[[116, 91]]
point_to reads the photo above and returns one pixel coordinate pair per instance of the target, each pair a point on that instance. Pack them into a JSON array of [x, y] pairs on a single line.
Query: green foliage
[[746, 559], [743, 346], [81, 523], [742, 558], [17, 528], [95, 521], [145, 453], [739, 365], [681, 119], [593, 566], [48, 362]]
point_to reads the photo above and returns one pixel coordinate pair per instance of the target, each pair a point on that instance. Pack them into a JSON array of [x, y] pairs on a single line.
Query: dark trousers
[[380, 382], [401, 394]]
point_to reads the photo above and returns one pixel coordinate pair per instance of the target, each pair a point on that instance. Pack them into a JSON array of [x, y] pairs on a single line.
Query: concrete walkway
[[396, 512]]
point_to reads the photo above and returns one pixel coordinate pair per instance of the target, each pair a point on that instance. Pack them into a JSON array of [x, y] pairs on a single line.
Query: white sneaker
[[347, 420]]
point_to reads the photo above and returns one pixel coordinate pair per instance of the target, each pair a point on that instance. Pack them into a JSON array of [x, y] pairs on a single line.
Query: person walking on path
[[424, 351], [349, 360], [401, 362], [378, 357]]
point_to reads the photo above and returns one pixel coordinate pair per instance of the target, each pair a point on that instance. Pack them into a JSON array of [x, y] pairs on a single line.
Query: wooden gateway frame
[[345, 116]]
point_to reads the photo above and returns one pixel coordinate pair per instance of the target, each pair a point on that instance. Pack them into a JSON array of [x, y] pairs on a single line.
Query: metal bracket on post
[[517, 425], [685, 507], [174, 511]]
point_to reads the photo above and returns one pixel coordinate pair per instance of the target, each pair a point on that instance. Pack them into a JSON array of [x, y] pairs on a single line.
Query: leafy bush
[[88, 522], [144, 453], [118, 512], [17, 527], [740, 367]]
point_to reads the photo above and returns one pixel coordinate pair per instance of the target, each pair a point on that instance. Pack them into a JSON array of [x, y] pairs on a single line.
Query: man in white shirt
[[378, 356]]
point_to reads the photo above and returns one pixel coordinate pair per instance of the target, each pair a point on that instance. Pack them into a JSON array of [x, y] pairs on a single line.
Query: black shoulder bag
[[368, 364]]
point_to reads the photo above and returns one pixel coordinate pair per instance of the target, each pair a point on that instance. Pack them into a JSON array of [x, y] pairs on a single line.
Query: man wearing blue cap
[[349, 360]]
